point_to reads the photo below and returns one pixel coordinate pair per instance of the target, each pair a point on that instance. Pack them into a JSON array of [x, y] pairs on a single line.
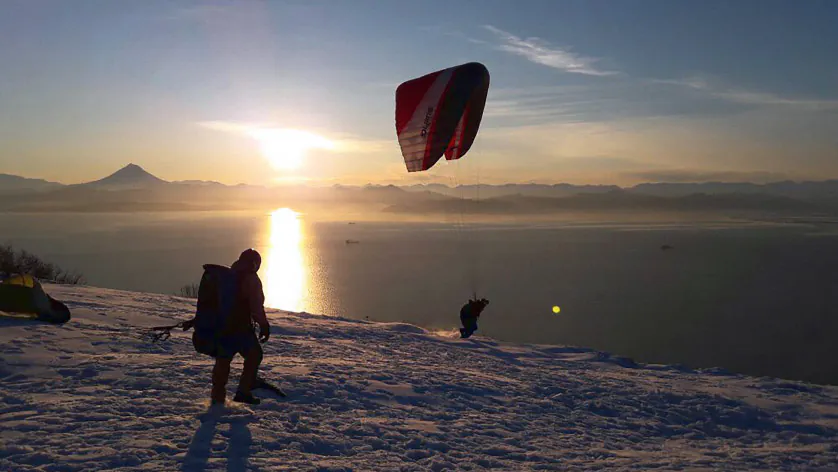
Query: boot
[[246, 398]]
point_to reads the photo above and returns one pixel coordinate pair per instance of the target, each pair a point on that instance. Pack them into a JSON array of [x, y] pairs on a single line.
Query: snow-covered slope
[[363, 396]]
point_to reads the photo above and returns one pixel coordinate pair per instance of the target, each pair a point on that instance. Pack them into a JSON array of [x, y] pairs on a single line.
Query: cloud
[[598, 102], [227, 126], [342, 142], [558, 104], [598, 163], [358, 145], [666, 144], [693, 176], [541, 52], [749, 97], [687, 100]]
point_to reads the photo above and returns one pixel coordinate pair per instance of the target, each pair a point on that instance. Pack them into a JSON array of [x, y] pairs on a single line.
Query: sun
[[286, 148]]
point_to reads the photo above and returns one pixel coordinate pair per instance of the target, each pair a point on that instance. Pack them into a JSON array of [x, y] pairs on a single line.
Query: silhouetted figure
[[235, 335], [469, 314]]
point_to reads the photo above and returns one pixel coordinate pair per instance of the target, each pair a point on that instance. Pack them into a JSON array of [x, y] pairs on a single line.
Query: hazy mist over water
[[755, 298]]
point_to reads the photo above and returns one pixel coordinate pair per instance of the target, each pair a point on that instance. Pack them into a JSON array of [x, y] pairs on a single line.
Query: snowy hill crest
[[91, 395]]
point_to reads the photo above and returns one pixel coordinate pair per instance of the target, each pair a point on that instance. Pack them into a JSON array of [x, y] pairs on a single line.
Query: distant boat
[[666, 246], [352, 222], [352, 241]]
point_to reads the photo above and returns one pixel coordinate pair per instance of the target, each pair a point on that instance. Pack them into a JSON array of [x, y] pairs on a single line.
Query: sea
[[758, 297]]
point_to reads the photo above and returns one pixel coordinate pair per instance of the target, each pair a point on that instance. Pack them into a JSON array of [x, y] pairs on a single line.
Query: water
[[760, 299]]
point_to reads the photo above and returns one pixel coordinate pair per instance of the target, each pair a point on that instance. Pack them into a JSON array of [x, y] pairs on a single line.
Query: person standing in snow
[[238, 337], [469, 314]]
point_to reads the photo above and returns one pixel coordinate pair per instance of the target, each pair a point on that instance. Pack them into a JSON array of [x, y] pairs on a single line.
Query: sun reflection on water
[[285, 269]]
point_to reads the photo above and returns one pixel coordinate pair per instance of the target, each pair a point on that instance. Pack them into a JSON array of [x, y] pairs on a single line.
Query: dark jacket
[[471, 310], [250, 302]]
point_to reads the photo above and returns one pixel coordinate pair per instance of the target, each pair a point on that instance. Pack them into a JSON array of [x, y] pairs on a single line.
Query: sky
[[601, 92]]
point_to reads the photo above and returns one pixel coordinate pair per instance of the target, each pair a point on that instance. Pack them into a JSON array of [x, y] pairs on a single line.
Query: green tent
[[22, 296]]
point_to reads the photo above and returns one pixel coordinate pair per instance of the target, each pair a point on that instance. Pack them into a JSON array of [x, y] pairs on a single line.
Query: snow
[[365, 396]]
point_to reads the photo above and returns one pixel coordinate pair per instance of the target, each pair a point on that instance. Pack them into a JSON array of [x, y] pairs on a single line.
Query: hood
[[241, 266]]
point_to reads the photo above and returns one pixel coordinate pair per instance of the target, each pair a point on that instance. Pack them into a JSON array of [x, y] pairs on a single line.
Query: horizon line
[[326, 183]]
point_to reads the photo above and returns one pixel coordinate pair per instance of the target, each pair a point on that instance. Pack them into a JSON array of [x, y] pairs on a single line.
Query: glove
[[264, 333]]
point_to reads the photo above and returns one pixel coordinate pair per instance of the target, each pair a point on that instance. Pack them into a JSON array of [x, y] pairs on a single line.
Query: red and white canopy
[[440, 113]]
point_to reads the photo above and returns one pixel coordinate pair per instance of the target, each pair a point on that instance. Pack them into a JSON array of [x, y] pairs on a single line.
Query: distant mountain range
[[530, 190], [134, 189], [13, 183], [625, 201], [806, 189]]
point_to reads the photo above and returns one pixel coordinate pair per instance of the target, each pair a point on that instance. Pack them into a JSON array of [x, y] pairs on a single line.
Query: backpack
[[217, 295]]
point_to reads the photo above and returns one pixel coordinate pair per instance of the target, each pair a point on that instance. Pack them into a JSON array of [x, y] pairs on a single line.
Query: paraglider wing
[[440, 113], [469, 123], [24, 296]]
